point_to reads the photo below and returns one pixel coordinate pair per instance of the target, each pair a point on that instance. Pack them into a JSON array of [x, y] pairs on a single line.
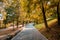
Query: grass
[[38, 26], [54, 33]]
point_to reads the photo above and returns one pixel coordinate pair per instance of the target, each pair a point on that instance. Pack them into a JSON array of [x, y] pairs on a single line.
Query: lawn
[[54, 33]]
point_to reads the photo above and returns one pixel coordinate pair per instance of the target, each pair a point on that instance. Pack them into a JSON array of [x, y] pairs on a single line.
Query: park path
[[11, 27], [9, 31], [29, 32]]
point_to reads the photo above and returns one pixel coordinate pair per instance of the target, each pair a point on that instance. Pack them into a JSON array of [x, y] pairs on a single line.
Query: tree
[[18, 13], [43, 12], [1, 0], [10, 17], [45, 21], [58, 14], [5, 22]]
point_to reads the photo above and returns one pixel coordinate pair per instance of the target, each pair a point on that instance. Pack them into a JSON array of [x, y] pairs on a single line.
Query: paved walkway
[[29, 33], [8, 31], [11, 27]]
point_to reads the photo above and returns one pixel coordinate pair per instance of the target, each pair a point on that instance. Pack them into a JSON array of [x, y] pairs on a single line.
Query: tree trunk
[[45, 21], [13, 24], [5, 25], [17, 22], [58, 14]]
